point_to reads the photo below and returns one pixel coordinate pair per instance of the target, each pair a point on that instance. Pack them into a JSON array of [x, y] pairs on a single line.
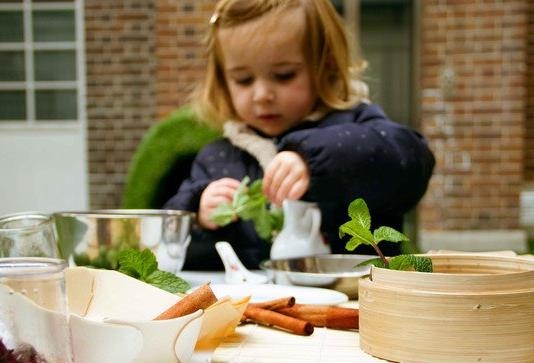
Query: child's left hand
[[217, 192], [286, 177]]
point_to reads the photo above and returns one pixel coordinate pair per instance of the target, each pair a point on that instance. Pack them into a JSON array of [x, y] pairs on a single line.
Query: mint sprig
[[143, 266], [359, 228], [249, 203]]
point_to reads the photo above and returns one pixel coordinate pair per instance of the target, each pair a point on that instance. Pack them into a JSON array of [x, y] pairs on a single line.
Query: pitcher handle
[[316, 223]]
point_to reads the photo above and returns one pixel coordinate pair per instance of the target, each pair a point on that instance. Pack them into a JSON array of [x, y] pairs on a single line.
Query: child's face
[[267, 74]]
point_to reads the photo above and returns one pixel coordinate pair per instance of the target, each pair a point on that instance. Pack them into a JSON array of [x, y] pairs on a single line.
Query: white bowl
[[333, 271]]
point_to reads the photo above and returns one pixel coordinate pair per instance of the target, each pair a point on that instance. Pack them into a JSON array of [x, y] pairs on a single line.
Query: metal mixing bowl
[[95, 237], [334, 271]]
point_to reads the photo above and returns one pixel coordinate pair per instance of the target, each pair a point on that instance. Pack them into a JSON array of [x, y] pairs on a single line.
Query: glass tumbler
[[33, 310], [27, 235]]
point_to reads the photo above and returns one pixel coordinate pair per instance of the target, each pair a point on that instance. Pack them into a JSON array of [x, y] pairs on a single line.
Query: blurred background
[[82, 82]]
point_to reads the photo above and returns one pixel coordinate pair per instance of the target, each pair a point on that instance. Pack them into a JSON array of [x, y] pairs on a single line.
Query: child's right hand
[[217, 192], [286, 177]]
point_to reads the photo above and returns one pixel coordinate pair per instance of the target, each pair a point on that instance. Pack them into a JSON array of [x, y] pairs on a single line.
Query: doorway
[[386, 31]]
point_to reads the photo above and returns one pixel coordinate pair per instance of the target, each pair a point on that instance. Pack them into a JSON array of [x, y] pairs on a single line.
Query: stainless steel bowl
[[95, 237], [338, 272]]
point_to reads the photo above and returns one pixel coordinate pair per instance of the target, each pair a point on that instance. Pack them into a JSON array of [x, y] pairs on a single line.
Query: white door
[[43, 161]]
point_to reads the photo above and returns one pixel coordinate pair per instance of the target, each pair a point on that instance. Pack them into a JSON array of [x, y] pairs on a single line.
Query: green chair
[[163, 159]]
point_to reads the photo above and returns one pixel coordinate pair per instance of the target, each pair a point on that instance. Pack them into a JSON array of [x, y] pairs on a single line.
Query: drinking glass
[[33, 309], [27, 235]]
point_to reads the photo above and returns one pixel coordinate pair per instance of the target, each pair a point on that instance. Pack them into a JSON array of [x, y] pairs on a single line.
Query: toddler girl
[[281, 84]]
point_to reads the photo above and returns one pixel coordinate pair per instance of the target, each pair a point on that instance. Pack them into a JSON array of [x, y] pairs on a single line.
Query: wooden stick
[[272, 318], [334, 317], [201, 298], [284, 302]]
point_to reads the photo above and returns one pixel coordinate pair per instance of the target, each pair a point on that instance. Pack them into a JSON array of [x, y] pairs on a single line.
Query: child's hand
[[217, 192], [286, 177]]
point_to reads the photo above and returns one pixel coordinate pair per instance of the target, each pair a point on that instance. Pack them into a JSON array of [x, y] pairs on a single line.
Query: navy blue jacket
[[358, 153]]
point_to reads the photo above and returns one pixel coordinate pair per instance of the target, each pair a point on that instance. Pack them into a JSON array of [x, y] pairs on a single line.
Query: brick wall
[[142, 58], [473, 89], [120, 90], [529, 139], [180, 29]]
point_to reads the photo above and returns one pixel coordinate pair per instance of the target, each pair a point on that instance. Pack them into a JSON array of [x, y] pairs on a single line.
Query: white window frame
[[29, 85]]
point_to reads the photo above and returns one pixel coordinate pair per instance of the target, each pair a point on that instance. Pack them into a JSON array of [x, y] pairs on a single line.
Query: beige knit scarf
[[262, 148]]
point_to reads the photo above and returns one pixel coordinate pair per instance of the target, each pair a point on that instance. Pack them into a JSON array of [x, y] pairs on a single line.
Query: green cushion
[[163, 159]]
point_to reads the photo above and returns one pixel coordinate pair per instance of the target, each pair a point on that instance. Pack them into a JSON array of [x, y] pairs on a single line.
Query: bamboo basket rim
[[366, 282], [517, 274], [460, 257]]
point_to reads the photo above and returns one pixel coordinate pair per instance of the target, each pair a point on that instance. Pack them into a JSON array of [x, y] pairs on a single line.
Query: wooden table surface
[[256, 343]]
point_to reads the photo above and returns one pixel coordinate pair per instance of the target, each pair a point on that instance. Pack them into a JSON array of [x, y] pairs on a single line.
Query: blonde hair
[[334, 75]]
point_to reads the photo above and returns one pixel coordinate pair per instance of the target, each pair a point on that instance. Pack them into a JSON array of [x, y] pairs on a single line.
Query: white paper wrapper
[[111, 320]]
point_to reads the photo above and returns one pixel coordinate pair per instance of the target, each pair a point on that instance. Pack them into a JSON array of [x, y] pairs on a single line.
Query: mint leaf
[[359, 234], [359, 228], [402, 262], [223, 214], [254, 208], [262, 223], [143, 266], [388, 234], [240, 195], [276, 215], [255, 188], [359, 225], [359, 212], [249, 203], [378, 262], [409, 262], [135, 263], [167, 281]]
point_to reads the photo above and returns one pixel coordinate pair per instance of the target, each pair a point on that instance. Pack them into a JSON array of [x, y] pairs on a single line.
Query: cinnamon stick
[[201, 298], [334, 317], [283, 302], [273, 318]]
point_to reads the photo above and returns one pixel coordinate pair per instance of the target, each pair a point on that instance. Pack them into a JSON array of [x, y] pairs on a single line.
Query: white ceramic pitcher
[[301, 235]]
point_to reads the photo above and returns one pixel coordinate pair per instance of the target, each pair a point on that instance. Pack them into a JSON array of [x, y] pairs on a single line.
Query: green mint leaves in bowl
[[359, 228], [143, 266]]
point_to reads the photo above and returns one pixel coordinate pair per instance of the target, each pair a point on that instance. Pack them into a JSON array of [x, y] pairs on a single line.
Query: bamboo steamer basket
[[472, 308]]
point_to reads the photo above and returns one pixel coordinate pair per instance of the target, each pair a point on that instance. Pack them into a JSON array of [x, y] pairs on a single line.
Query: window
[[41, 62]]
